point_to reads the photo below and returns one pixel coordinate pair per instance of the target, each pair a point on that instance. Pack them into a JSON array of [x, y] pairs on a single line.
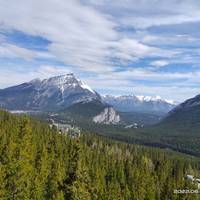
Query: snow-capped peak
[[129, 103], [156, 98], [171, 102], [63, 83], [61, 80], [62, 91], [148, 98], [119, 97]]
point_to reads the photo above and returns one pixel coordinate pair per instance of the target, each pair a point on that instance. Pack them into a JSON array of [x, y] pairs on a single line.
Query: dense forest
[[164, 135], [37, 162], [175, 133]]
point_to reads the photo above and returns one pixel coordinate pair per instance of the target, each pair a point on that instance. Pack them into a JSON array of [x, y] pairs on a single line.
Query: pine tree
[[78, 183], [24, 162]]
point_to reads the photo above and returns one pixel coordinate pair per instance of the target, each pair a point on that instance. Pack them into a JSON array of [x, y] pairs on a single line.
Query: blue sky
[[146, 47]]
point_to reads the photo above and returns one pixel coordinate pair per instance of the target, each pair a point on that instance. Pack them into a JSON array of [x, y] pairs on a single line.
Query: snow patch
[[156, 98], [84, 86], [62, 89]]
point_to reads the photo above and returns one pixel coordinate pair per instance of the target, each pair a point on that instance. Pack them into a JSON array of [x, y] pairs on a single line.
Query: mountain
[[69, 94], [49, 94], [65, 95], [144, 104], [186, 114], [179, 129], [188, 105]]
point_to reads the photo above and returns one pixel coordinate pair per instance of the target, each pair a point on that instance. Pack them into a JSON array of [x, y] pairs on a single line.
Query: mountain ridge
[[130, 103], [65, 90]]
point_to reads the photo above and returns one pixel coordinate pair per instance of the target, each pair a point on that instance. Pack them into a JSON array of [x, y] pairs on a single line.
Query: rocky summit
[[49, 94]]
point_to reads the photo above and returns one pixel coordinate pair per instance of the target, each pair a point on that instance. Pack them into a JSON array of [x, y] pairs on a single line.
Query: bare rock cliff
[[107, 116]]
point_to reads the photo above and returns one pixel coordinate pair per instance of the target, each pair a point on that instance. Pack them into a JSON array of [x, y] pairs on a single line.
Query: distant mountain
[[49, 94], [187, 105], [185, 114], [144, 104]]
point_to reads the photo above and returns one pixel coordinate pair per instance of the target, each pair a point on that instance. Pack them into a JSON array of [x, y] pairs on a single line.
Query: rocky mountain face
[[107, 116], [49, 94], [132, 103]]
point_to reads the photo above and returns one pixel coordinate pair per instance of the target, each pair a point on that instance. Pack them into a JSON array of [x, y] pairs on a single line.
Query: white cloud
[[45, 71], [177, 86], [159, 63], [145, 13], [17, 77], [13, 51], [130, 49], [80, 35], [8, 50]]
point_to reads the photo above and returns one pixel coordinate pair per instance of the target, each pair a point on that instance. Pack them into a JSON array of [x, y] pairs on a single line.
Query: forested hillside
[[182, 138], [36, 162]]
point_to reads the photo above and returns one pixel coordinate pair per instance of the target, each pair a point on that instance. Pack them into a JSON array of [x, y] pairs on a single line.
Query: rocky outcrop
[[107, 116]]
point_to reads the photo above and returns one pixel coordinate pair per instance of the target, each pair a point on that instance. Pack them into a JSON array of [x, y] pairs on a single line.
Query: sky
[[146, 47]]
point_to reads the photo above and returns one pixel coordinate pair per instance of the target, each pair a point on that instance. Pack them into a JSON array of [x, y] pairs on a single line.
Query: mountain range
[[63, 91], [66, 92], [144, 104], [68, 99]]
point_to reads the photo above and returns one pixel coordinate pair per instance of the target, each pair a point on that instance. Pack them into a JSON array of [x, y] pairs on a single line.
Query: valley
[[136, 120], [68, 116], [99, 100]]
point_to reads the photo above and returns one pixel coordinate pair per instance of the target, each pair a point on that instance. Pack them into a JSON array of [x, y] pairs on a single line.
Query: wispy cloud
[[80, 35], [18, 77], [144, 14], [159, 63]]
